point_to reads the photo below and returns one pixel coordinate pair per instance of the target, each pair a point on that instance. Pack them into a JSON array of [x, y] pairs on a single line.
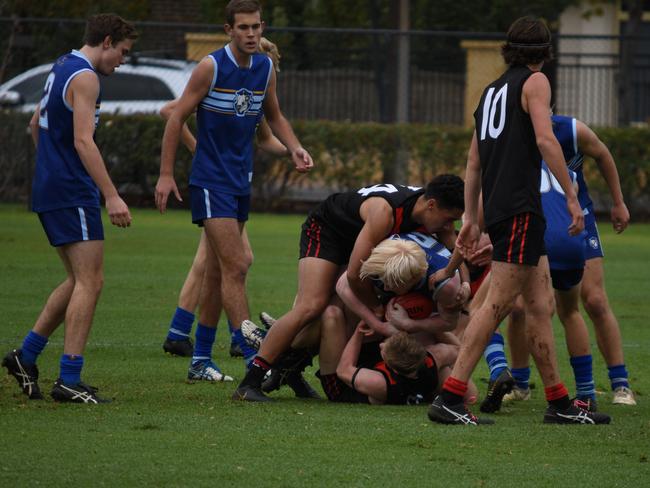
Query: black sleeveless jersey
[[510, 159], [401, 390], [340, 211]]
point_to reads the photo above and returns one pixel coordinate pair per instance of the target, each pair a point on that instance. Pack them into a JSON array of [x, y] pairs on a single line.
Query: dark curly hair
[[448, 191], [101, 25], [529, 42]]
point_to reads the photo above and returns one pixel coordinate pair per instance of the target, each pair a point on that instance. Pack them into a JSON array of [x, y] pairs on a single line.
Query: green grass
[[162, 431]]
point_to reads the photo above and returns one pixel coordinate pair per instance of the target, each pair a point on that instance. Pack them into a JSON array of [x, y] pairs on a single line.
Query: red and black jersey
[[340, 211], [510, 158], [402, 390]]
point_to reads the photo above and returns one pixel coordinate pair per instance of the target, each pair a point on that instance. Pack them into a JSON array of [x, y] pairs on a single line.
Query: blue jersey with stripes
[[227, 118], [566, 133], [564, 251], [60, 178]]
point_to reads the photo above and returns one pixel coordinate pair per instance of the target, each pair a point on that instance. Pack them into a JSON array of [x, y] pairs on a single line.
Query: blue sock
[[70, 369], [495, 356], [204, 341], [232, 330], [181, 325], [618, 376], [583, 373], [33, 346], [521, 376], [248, 352]]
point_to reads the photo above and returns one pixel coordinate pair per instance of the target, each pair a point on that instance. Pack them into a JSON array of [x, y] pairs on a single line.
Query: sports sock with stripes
[[204, 337], [558, 396], [522, 377], [583, 373], [618, 376], [495, 356], [181, 325]]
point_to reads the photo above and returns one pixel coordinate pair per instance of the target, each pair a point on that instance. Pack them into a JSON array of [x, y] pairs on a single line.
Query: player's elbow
[[83, 144], [165, 111], [545, 142]]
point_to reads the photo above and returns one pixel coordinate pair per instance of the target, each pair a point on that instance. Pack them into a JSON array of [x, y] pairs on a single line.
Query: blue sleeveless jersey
[[227, 118], [437, 256], [565, 132], [564, 251], [60, 179]]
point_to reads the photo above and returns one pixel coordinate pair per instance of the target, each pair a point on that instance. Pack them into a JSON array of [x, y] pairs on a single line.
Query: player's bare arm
[[194, 92], [469, 233], [282, 128], [536, 100], [377, 215], [366, 381], [399, 318], [590, 145], [187, 138], [266, 141], [82, 96], [33, 125], [361, 310]]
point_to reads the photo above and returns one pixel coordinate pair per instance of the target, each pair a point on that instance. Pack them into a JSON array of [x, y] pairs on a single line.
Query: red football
[[417, 305]]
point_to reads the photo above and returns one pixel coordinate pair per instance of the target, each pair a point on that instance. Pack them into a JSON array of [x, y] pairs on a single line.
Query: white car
[[142, 85]]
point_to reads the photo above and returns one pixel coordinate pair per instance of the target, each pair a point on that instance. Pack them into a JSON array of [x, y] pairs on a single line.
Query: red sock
[[453, 390], [558, 396], [555, 392]]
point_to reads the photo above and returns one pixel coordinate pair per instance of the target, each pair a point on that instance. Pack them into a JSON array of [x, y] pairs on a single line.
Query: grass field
[[163, 431]]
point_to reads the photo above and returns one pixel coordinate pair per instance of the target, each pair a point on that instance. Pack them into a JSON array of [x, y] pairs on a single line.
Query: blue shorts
[[209, 204], [74, 224], [593, 249], [565, 279]]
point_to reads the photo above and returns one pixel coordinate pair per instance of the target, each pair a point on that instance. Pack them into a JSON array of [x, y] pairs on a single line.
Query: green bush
[[346, 155]]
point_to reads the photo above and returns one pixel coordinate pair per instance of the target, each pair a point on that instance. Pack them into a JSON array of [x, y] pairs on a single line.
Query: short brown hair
[[241, 7], [403, 354], [529, 42], [101, 25]]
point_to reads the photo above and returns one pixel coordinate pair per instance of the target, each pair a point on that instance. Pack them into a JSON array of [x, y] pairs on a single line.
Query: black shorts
[[317, 240], [565, 279], [518, 239]]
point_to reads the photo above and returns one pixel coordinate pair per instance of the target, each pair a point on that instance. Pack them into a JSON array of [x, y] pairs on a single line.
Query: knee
[[333, 315], [235, 271], [248, 258], [312, 309], [93, 283], [596, 304]]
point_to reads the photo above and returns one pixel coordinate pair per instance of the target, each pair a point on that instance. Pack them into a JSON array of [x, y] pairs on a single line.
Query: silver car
[[142, 85]]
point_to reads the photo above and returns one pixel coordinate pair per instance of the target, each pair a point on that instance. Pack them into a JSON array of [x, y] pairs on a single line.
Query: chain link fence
[[354, 75]]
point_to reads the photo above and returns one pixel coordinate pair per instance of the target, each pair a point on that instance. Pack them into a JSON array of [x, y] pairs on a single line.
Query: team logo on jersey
[[243, 101], [593, 242]]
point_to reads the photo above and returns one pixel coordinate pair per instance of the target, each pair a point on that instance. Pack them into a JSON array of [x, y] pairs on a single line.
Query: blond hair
[[271, 50], [395, 262], [403, 354]]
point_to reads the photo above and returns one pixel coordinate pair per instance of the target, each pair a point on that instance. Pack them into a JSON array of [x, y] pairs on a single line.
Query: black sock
[[561, 403], [256, 373], [450, 398]]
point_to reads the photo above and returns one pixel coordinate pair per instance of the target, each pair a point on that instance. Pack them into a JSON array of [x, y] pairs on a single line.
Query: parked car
[[142, 85]]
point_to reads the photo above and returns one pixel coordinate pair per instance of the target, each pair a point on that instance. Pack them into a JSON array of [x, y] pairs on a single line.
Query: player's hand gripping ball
[[417, 305]]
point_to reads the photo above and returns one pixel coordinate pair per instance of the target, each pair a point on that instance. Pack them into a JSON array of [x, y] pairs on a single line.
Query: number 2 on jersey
[[42, 116]]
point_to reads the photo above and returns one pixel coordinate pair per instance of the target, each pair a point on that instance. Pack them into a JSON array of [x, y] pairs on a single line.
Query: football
[[417, 305]]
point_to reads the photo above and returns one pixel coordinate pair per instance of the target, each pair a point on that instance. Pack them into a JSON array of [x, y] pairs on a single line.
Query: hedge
[[346, 155]]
